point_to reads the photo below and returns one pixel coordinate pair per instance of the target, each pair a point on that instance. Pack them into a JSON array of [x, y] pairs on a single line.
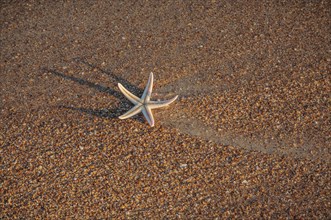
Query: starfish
[[144, 104]]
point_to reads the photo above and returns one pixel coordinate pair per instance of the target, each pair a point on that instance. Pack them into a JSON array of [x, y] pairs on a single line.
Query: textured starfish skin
[[144, 104]]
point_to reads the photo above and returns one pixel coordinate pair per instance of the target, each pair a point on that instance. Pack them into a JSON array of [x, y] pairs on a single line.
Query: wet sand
[[249, 136]]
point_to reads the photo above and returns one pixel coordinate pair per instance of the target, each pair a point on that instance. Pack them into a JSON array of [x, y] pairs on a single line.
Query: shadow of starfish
[[117, 79], [84, 82], [103, 113], [100, 113]]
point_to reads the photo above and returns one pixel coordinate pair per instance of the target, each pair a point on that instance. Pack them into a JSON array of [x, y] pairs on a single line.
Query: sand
[[248, 138]]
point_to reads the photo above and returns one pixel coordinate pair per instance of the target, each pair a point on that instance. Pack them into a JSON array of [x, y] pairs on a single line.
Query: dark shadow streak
[[102, 113], [116, 78], [84, 82], [116, 94]]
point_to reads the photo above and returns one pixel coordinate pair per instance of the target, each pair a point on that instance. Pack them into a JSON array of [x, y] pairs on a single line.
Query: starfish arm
[[133, 111], [148, 115], [159, 104], [134, 99], [148, 90]]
